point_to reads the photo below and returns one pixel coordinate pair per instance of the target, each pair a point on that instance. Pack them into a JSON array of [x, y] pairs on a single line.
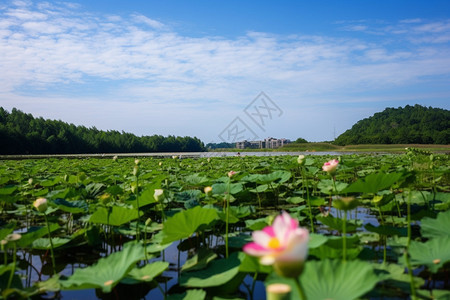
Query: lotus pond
[[175, 228]]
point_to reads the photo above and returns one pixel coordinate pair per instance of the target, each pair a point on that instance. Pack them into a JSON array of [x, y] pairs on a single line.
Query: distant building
[[268, 143]]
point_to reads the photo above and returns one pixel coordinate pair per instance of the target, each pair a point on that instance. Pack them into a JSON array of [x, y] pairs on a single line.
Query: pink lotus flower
[[330, 166], [284, 245]]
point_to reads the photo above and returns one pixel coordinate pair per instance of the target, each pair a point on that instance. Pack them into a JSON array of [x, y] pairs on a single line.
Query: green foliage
[[185, 223], [107, 272], [21, 133], [409, 125], [333, 279]]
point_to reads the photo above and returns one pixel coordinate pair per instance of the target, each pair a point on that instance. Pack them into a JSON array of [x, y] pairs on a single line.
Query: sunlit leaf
[[217, 273], [333, 279], [185, 223], [115, 215], [436, 227], [434, 253], [373, 183], [107, 272]]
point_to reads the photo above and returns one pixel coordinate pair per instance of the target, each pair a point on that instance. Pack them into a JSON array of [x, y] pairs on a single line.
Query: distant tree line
[[21, 133], [223, 145], [409, 125]]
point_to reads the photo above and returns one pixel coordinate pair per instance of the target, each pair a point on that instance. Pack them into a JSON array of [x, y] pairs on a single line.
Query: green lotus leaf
[[196, 180], [222, 188], [218, 273], [326, 186], [200, 260], [44, 243], [189, 295], [257, 224], [50, 285], [34, 233], [434, 253], [332, 279], [260, 188], [373, 183], [316, 240], [276, 176], [7, 229], [436, 227], [250, 264], [148, 272], [107, 272], [386, 230], [71, 206], [185, 223], [7, 190], [336, 223], [115, 215]]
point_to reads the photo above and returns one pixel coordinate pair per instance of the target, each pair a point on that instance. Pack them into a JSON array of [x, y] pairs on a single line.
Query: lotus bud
[[278, 291], [136, 170], [160, 163], [40, 204], [346, 203], [208, 190], [159, 195], [133, 188], [148, 221], [301, 160], [30, 181], [231, 174], [115, 158], [208, 159], [137, 162], [174, 156]]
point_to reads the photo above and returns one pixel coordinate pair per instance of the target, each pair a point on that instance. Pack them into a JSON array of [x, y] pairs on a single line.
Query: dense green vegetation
[[21, 133], [409, 125], [176, 228]]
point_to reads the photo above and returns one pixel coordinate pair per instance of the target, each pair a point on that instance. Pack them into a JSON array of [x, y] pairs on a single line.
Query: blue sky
[[196, 68]]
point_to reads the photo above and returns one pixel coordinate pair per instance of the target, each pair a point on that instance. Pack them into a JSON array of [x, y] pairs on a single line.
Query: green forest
[[21, 133], [409, 125]]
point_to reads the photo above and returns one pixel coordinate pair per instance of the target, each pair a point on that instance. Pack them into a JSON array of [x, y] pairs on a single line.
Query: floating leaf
[[250, 264], [386, 230], [336, 223], [333, 279], [217, 273], [185, 223], [148, 272], [436, 227], [7, 229], [200, 260], [74, 207], [115, 216], [222, 188], [8, 190], [434, 253], [34, 233], [189, 295], [373, 183], [107, 272], [44, 243]]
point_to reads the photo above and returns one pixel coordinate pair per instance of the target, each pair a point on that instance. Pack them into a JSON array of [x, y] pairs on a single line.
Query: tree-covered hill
[[409, 125], [21, 133]]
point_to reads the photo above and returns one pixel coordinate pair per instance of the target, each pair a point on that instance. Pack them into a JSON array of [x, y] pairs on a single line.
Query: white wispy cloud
[[138, 59]]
